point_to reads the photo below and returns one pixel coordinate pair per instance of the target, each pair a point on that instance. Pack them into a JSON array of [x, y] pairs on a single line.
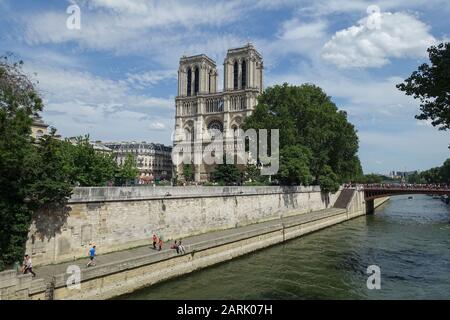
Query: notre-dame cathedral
[[200, 106]]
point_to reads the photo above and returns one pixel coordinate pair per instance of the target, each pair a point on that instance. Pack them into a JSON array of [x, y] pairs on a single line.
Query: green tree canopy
[[226, 174], [33, 174], [309, 120], [128, 170], [430, 83], [87, 166], [188, 172], [438, 174]]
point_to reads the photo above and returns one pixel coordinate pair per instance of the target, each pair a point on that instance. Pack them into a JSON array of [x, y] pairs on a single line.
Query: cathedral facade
[[200, 106]]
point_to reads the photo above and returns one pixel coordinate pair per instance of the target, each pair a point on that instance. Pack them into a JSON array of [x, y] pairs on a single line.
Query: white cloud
[[319, 8], [398, 35], [80, 103], [150, 78], [294, 29], [157, 126]]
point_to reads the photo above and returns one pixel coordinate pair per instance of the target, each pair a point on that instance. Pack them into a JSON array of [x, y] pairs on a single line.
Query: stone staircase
[[344, 198]]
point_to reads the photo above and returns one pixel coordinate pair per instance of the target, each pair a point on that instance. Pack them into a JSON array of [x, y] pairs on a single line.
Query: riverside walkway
[[203, 240]]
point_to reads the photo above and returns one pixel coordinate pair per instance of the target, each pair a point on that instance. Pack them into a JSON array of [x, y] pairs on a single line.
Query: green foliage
[[328, 181], [32, 173], [438, 174], [226, 174], [309, 120], [88, 167], [372, 178], [252, 176], [445, 172], [431, 85], [415, 178], [188, 172], [294, 165], [128, 171]]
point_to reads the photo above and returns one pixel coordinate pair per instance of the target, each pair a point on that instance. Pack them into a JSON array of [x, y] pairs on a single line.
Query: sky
[[115, 77]]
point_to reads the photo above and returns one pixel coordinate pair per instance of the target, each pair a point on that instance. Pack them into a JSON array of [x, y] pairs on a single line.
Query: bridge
[[375, 191], [372, 192]]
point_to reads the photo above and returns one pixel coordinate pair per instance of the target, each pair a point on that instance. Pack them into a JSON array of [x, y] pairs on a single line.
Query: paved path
[[47, 272]]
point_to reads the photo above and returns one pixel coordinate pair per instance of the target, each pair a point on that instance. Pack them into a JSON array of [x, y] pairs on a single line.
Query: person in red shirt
[[155, 240]]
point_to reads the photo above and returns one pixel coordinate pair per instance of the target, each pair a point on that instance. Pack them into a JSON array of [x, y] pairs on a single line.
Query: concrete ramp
[[344, 199]]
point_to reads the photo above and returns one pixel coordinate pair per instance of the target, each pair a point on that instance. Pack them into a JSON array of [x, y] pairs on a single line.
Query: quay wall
[[380, 201], [119, 218]]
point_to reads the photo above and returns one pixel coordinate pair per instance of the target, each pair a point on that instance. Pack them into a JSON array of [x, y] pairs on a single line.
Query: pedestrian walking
[[28, 265], [181, 248], [160, 243], [91, 257]]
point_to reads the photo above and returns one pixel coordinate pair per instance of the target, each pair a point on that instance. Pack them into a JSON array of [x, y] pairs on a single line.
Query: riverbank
[[407, 239], [126, 271]]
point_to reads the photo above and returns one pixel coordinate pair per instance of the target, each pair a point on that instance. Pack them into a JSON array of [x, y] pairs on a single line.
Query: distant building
[[401, 174], [97, 145], [153, 160], [38, 127]]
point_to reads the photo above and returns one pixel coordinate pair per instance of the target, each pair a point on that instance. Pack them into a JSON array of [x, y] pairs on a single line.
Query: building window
[[236, 75], [189, 82], [197, 80], [215, 126], [210, 83], [244, 75]]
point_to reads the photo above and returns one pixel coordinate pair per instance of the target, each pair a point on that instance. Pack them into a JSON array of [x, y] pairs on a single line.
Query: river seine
[[409, 240]]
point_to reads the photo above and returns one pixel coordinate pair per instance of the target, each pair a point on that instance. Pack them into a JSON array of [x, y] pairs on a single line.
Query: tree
[[89, 167], [226, 174], [431, 85], [328, 180], [128, 171], [415, 178], [445, 172], [432, 175], [307, 118], [32, 173], [188, 172], [372, 178], [294, 166]]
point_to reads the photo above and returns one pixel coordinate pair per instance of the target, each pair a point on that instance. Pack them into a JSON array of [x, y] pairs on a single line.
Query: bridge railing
[[398, 186]]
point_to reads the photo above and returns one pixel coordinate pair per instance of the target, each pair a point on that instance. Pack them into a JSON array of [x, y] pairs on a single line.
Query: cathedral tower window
[[236, 75], [189, 82], [197, 80], [244, 75]]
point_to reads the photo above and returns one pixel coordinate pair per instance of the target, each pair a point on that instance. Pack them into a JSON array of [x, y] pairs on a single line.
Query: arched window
[[197, 80], [189, 82], [210, 82], [236, 75], [215, 128], [244, 75]]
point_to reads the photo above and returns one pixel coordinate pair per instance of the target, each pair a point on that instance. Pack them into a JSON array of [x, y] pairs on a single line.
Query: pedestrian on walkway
[[181, 247], [175, 246], [28, 266], [155, 240], [91, 257], [160, 243]]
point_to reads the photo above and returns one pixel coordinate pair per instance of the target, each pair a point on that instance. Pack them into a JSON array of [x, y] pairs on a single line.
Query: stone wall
[[108, 281], [380, 201], [119, 218], [15, 286]]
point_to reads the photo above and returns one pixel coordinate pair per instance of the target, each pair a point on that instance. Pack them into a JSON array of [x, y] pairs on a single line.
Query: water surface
[[408, 239]]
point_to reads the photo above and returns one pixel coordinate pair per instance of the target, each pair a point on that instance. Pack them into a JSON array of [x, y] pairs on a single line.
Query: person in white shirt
[[28, 266]]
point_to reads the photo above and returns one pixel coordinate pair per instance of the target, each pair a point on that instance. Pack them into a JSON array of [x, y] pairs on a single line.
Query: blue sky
[[115, 78]]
